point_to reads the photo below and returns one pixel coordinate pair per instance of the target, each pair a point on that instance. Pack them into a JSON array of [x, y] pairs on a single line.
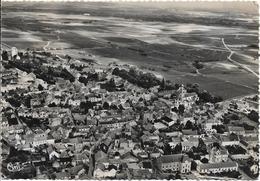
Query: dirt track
[[235, 62]]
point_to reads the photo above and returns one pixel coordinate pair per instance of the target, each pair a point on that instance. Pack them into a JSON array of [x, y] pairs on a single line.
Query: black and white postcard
[[129, 90]]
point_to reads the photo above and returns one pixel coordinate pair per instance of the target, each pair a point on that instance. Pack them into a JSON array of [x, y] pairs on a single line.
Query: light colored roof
[[189, 132], [100, 166], [209, 139], [223, 152], [219, 165], [236, 128], [248, 139], [190, 94], [224, 138], [62, 175], [74, 170], [190, 143], [159, 125], [251, 131], [80, 156], [64, 154], [133, 165], [176, 139]]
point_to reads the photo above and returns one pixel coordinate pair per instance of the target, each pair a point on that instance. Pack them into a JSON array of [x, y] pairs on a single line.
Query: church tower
[[182, 91]]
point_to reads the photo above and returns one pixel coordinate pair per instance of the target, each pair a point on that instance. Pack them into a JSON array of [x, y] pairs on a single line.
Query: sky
[[226, 6], [250, 7]]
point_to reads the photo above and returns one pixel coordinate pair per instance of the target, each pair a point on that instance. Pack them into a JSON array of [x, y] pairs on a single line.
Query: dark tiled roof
[[147, 165], [173, 158]]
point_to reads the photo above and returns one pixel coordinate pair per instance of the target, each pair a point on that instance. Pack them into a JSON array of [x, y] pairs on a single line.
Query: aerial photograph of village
[[129, 90]]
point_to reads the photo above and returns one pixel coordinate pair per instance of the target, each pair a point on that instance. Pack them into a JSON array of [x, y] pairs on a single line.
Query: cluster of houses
[[83, 131]]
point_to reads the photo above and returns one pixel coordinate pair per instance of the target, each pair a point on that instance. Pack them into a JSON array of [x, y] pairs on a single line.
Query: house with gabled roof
[[237, 130], [176, 162], [217, 167]]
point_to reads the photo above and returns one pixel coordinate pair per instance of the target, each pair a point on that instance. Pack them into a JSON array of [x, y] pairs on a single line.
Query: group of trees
[[148, 80], [179, 110], [52, 105], [47, 74], [250, 173], [60, 72], [92, 76], [250, 162], [85, 106], [253, 46], [5, 55], [193, 155], [27, 101], [28, 67], [229, 116], [66, 75], [83, 80], [201, 148], [40, 87], [204, 160], [174, 177], [195, 152], [190, 125], [167, 85], [109, 85], [253, 115], [88, 77], [78, 68], [168, 150], [247, 126], [235, 149], [35, 122], [205, 96], [106, 105], [220, 128], [11, 120], [14, 102], [230, 174], [46, 77], [144, 80], [13, 98], [255, 98], [197, 64]]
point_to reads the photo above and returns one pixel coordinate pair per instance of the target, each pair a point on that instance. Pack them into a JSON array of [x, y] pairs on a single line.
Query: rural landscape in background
[[169, 77], [165, 40]]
